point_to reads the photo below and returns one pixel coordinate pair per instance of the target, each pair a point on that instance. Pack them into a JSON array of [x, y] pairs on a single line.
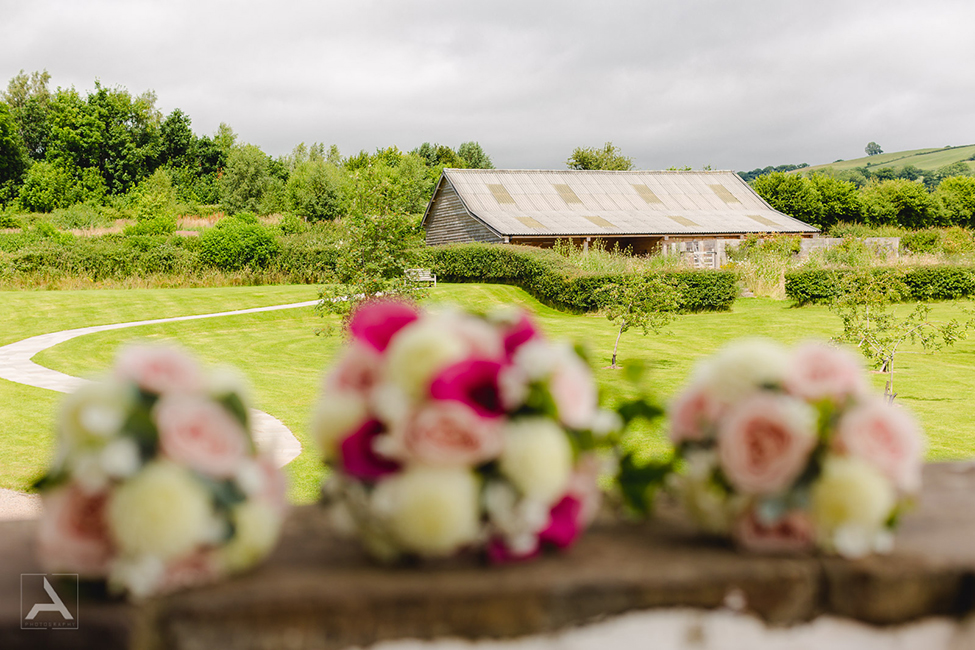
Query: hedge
[[920, 283], [551, 279]]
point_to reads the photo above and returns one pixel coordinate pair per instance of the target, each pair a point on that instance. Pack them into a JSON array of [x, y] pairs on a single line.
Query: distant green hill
[[923, 159]]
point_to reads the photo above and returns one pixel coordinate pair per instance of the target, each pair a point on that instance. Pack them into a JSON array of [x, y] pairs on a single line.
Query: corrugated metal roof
[[694, 202]]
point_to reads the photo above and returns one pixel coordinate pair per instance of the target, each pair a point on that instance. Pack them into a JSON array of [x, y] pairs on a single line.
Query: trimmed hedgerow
[[547, 276], [921, 283]]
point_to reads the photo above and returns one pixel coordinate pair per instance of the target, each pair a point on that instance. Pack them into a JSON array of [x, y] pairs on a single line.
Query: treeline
[[824, 199], [748, 177], [117, 150]]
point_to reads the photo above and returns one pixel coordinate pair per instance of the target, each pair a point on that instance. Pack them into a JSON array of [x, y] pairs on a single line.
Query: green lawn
[[284, 360]]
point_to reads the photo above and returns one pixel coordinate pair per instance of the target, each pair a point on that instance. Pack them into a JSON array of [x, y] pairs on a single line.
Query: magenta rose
[[693, 415], [450, 433], [516, 335], [201, 434], [499, 552], [359, 457], [820, 371], [472, 382], [563, 523], [792, 533], [764, 443], [886, 437], [159, 369], [74, 534], [377, 322]]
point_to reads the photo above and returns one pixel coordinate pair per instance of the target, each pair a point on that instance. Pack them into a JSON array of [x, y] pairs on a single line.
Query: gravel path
[[270, 434]]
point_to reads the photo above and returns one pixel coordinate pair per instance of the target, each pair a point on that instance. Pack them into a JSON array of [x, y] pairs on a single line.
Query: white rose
[[518, 520], [850, 503], [94, 413], [140, 576], [742, 367], [120, 458], [536, 358], [256, 528], [162, 511], [537, 458], [433, 511], [336, 416], [419, 352]]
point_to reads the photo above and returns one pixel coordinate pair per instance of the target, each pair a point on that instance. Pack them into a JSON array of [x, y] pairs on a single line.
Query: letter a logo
[[56, 604]]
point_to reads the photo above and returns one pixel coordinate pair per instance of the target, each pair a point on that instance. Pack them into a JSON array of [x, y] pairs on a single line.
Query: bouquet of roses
[[788, 450], [450, 432], [157, 484]]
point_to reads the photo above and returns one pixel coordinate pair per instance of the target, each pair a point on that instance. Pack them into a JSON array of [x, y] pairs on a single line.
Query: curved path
[[270, 434]]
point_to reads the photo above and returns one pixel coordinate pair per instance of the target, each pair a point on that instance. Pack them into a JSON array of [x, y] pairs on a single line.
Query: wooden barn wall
[[449, 222]]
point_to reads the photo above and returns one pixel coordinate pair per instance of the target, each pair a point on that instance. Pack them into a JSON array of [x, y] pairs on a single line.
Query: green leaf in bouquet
[[233, 403], [140, 427], [639, 408], [49, 480], [226, 494], [639, 484]]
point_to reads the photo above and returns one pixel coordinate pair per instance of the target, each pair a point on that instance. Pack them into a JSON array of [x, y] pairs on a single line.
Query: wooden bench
[[421, 275]]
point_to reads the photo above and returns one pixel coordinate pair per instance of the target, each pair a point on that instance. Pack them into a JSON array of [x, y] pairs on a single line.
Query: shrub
[[921, 241], [158, 225], [234, 244], [550, 278], [920, 283]]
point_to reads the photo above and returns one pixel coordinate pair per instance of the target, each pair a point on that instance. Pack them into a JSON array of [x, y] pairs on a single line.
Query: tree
[[839, 200], [957, 195], [901, 203], [792, 194], [643, 301], [474, 156], [873, 149], [28, 98], [245, 179], [609, 157], [13, 153], [865, 306], [314, 191]]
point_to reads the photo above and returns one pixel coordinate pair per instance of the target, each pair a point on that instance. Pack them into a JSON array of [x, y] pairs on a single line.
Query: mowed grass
[[284, 360]]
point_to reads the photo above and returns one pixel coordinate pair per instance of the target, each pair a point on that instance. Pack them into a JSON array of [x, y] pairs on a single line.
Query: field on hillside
[[923, 159], [284, 359]]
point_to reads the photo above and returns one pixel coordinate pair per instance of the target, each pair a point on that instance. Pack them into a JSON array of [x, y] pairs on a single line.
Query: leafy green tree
[[13, 154], [910, 173], [314, 191], [839, 199], [957, 195], [900, 203], [873, 149], [177, 140], [474, 156], [792, 194], [49, 186], [609, 157], [28, 97], [643, 301], [245, 180]]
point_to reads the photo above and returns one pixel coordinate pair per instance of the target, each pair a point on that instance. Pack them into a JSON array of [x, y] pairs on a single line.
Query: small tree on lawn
[[643, 301], [866, 307]]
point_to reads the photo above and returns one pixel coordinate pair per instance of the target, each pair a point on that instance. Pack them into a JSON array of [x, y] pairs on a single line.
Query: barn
[[647, 211]]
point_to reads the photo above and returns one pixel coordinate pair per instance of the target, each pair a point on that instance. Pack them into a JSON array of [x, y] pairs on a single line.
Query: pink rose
[[359, 457], [159, 369], [377, 322], [472, 382], [792, 533], [450, 433], [886, 437], [193, 570], [693, 415], [821, 371], [765, 442], [358, 370], [574, 391], [200, 434], [274, 490], [584, 487], [73, 533]]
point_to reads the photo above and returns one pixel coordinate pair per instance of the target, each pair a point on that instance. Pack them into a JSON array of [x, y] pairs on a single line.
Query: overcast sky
[[731, 84]]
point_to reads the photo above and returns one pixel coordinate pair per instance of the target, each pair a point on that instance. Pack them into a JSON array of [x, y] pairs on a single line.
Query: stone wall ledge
[[319, 591]]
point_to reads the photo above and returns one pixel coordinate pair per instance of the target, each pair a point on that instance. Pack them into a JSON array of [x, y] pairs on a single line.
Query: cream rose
[[450, 433], [742, 367], [851, 501], [885, 436], [418, 352], [764, 443], [94, 413], [336, 416], [162, 511], [200, 433], [433, 511], [537, 458], [256, 528]]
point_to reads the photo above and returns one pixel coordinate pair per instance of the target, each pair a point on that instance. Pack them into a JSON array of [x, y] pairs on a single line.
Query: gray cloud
[[733, 85]]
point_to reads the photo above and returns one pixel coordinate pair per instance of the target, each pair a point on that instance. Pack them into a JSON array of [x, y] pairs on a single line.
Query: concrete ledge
[[318, 591]]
